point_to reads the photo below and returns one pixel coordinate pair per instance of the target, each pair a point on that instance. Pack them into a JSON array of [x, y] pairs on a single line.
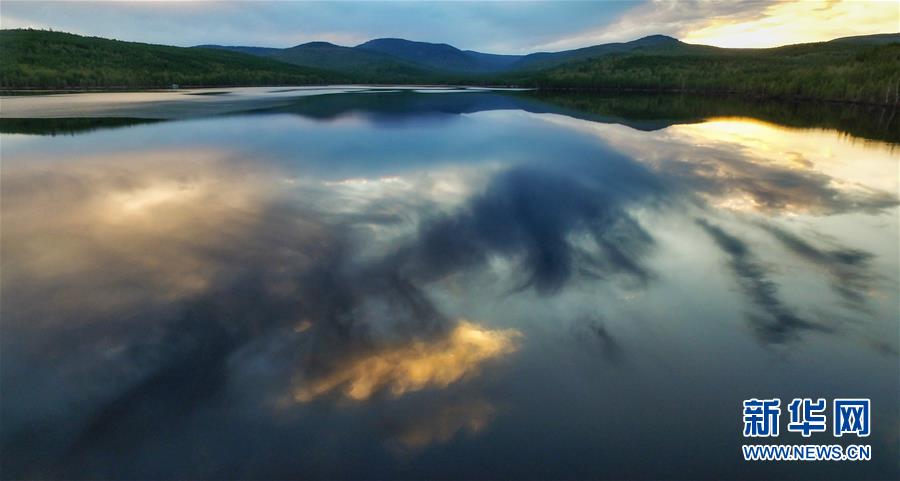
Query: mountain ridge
[[441, 57], [445, 58], [858, 69]]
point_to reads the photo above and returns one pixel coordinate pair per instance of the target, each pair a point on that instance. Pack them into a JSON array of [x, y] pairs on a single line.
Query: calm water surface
[[350, 283]]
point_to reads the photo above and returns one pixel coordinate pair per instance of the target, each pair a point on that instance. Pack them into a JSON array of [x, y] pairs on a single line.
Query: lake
[[419, 283]]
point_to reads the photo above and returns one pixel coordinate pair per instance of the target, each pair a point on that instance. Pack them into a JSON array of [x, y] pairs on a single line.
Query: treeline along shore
[[854, 69]]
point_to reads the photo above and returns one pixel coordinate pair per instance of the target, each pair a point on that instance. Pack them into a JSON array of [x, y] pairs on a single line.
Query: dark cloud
[[595, 332], [850, 269], [188, 368], [131, 351], [554, 223], [775, 323], [409, 431], [185, 369]]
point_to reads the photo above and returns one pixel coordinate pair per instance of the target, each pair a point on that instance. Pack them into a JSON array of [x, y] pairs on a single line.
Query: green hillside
[[841, 71], [545, 60], [55, 60]]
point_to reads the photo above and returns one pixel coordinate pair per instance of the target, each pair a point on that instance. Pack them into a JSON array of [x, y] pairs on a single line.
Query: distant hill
[[386, 60], [877, 39], [542, 60], [492, 61], [44, 59], [397, 59], [364, 66], [439, 56]]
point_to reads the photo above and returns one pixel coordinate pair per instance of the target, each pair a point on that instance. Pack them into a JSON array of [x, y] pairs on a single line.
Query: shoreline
[[590, 90]]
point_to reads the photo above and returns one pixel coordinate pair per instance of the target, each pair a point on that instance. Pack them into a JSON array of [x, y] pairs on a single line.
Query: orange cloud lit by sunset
[[416, 366], [799, 22]]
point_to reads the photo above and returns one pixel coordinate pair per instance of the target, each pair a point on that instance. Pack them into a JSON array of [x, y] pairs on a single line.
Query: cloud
[[801, 21], [745, 165], [596, 333], [555, 224], [849, 268], [658, 17], [164, 285], [175, 280], [167, 272], [740, 24], [412, 367], [420, 429], [776, 323]]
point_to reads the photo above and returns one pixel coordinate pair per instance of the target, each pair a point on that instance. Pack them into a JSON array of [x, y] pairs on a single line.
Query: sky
[[512, 27]]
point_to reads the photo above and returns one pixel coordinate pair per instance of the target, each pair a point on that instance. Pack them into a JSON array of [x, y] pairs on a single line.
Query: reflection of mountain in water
[[67, 126], [638, 111], [864, 121]]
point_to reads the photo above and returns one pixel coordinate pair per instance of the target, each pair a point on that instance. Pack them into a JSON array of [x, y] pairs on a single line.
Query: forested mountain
[[439, 56], [363, 65], [542, 60], [877, 39], [397, 53], [43, 59], [859, 69]]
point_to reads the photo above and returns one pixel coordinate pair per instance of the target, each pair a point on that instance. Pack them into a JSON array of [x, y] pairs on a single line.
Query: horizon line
[[50, 29]]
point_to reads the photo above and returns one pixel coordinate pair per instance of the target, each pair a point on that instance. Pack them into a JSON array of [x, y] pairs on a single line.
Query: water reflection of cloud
[[149, 277], [126, 286], [421, 429], [749, 165], [557, 223], [596, 334], [154, 290], [776, 322], [752, 169], [415, 366], [850, 269], [122, 230]]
